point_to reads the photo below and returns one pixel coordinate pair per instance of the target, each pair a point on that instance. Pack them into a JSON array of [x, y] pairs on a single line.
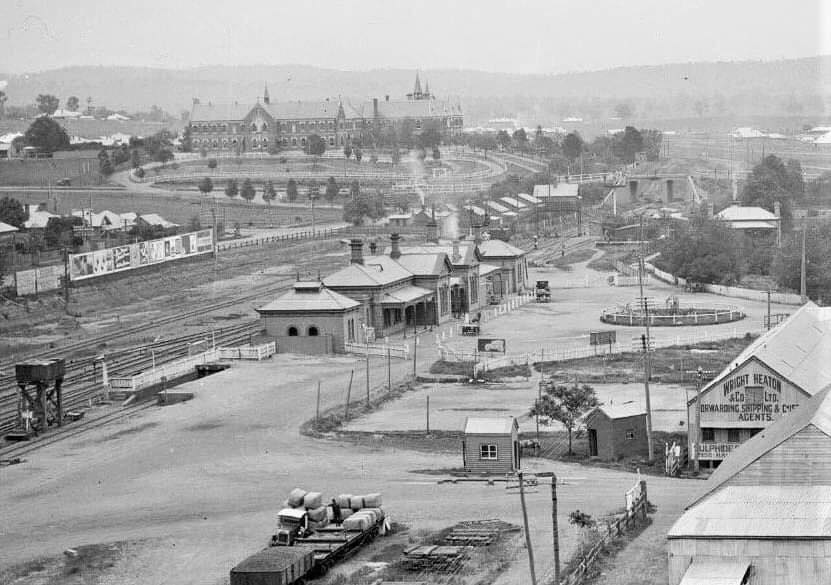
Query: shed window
[[487, 452], [630, 434], [292, 331], [708, 435], [312, 331], [733, 436]]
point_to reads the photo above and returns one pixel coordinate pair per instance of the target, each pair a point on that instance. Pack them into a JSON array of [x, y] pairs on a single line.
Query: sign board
[[602, 337], [121, 258], [37, 280], [495, 345], [715, 450], [751, 396]]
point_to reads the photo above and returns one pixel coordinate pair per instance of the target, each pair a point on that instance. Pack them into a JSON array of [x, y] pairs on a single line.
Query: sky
[[515, 36]]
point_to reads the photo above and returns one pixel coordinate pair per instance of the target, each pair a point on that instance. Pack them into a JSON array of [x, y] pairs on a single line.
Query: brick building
[[246, 127]]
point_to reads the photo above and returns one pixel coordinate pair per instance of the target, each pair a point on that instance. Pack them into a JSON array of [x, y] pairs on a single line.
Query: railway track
[[82, 384]]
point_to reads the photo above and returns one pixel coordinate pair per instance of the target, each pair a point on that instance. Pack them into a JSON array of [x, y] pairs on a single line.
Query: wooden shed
[[766, 509], [491, 445], [616, 431]]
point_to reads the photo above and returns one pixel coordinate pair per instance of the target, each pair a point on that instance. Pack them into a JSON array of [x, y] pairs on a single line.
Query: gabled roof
[[405, 294], [499, 249], [748, 217], [485, 269], [528, 198], [616, 411], [797, 350], [766, 511], [37, 218], [425, 264], [219, 112], [375, 271], [816, 412], [496, 206], [309, 297], [490, 426], [558, 190], [157, 220], [7, 229], [468, 252], [514, 202]]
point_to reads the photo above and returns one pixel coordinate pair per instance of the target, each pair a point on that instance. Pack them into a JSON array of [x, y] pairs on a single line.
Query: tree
[[269, 194], [231, 188], [363, 206], [105, 165], [347, 151], [521, 139], [291, 190], [332, 190], [159, 146], [430, 137], [247, 192], [631, 144], [704, 251], [564, 404], [787, 263], [47, 135], [47, 103], [358, 154], [206, 185], [12, 212], [3, 99], [773, 181], [212, 163], [135, 158], [140, 173], [315, 146], [58, 232], [72, 103], [503, 139], [573, 146]]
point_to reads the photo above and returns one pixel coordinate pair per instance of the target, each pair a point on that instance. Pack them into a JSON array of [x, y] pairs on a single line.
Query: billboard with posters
[[100, 262], [486, 345]]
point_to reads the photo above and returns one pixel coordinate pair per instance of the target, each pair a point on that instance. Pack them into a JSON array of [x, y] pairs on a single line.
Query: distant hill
[[789, 87]]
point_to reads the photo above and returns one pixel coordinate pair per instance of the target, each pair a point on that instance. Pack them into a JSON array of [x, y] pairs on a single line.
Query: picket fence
[[401, 351], [247, 352]]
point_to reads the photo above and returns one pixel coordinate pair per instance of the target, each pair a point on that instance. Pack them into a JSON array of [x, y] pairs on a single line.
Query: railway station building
[[512, 276], [764, 516], [773, 376]]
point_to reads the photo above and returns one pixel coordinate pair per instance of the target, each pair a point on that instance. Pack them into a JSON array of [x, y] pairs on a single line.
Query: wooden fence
[[247, 352], [381, 349]]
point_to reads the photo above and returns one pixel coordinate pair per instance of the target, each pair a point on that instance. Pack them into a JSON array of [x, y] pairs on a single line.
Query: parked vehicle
[[543, 292]]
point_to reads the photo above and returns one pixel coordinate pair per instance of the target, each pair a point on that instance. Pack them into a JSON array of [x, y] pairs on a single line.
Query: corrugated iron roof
[[797, 350], [767, 511], [6, 228], [528, 198], [425, 264], [407, 294], [305, 297], [615, 411], [489, 425], [746, 213], [468, 252], [716, 572], [558, 190], [499, 249], [485, 269], [816, 411], [375, 271], [513, 201], [496, 206]]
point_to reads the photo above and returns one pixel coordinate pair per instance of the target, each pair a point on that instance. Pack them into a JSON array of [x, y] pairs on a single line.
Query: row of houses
[[392, 290], [38, 218], [560, 198]]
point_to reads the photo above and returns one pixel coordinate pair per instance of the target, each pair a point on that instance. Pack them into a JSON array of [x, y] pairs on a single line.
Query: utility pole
[[389, 372], [348, 395], [66, 278], [646, 357], [415, 345], [768, 327], [555, 529], [696, 461], [367, 368], [527, 533], [803, 287]]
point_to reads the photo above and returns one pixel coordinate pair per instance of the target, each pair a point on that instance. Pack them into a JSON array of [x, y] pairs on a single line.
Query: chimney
[[374, 107], [456, 256], [477, 234], [433, 228], [373, 247], [777, 209], [395, 251], [387, 98], [357, 246]]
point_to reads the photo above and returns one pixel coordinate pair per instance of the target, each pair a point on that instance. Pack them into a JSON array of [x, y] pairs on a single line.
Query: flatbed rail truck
[[297, 553]]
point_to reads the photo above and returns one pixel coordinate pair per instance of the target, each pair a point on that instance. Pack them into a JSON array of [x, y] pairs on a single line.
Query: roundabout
[[672, 314]]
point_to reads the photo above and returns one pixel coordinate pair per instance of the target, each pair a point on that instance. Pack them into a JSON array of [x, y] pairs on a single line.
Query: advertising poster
[[120, 258]]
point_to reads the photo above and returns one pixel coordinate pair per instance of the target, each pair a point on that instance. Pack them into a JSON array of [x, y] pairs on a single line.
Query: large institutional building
[[258, 126]]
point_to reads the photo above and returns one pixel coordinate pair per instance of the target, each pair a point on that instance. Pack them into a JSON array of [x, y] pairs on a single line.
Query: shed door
[[592, 442]]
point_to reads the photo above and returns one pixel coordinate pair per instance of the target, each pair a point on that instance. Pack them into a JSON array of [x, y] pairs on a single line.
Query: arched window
[[302, 142], [255, 143], [234, 141], [265, 127], [265, 142], [224, 142], [285, 141], [312, 331], [294, 141], [215, 143], [292, 331], [253, 127], [331, 141]]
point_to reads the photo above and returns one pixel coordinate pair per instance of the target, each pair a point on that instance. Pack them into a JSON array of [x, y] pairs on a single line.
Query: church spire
[[417, 88], [426, 89], [266, 98]]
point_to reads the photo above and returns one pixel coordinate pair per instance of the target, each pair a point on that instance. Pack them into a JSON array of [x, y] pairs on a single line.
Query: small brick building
[[491, 445], [616, 431]]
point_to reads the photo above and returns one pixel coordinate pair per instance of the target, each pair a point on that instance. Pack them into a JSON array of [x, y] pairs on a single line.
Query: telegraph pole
[[646, 358], [555, 529], [696, 461], [803, 288], [527, 533]]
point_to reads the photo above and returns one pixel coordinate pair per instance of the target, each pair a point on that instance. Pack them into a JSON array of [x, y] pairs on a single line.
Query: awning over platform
[[716, 572], [406, 295]]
